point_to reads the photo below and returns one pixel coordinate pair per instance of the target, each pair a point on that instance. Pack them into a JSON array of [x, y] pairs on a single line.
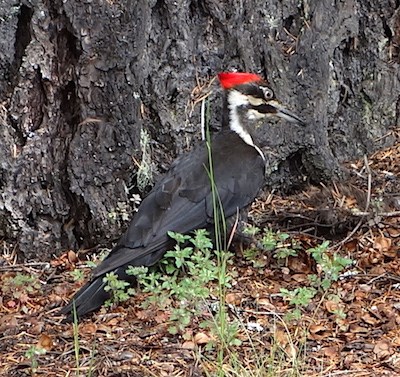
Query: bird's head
[[249, 98]]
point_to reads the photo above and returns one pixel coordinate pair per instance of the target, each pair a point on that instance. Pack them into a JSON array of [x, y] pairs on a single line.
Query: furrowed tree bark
[[94, 90]]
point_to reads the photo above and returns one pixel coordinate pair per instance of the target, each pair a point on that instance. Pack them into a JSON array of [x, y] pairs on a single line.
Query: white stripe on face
[[235, 100]]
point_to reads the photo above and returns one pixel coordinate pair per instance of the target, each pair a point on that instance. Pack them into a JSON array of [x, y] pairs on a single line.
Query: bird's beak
[[274, 108], [283, 113], [288, 115]]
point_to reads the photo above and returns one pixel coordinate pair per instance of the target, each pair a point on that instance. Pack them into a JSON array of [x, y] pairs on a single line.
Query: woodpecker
[[182, 200]]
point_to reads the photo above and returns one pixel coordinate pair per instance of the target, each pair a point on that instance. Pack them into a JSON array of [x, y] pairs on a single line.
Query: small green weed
[[77, 274], [223, 330], [329, 267], [119, 289], [32, 354], [183, 275], [251, 230], [20, 285], [75, 328], [339, 310], [299, 297], [28, 283], [280, 243]]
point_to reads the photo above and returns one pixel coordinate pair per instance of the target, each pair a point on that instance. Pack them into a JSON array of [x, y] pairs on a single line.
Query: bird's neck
[[235, 119], [238, 122]]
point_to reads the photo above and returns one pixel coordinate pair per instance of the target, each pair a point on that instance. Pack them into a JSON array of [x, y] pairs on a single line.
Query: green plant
[[28, 283], [183, 275], [284, 357], [77, 274], [225, 330], [256, 257], [227, 333], [299, 297], [270, 240], [329, 267], [77, 348], [20, 286], [280, 243], [32, 354], [118, 289], [251, 230]]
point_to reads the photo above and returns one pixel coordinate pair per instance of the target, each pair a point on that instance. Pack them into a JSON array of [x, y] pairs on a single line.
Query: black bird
[[182, 200]]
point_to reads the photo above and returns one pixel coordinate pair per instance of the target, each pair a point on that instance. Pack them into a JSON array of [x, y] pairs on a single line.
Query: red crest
[[229, 80]]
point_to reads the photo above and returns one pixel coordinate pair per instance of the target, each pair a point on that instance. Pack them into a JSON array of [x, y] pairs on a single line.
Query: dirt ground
[[353, 329]]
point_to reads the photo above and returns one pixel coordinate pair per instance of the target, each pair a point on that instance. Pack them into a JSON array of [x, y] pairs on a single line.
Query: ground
[[349, 329]]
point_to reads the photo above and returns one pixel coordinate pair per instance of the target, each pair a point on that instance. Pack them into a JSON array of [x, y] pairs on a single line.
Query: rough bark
[[85, 82]]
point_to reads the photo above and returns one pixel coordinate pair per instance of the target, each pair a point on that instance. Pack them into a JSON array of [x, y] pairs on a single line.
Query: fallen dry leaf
[[296, 265], [162, 316], [189, 345], [317, 328], [319, 332], [88, 328], [45, 341], [300, 278], [368, 318], [233, 298], [331, 352], [265, 302], [113, 322], [382, 349], [201, 338], [393, 232], [36, 327], [382, 244], [331, 306], [351, 246], [7, 322], [72, 257], [355, 328], [280, 336]]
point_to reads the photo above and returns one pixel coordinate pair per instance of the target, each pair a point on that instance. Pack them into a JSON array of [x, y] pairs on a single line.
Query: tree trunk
[[99, 95]]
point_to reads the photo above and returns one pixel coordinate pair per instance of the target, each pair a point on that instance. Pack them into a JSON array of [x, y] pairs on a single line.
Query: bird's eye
[[268, 93]]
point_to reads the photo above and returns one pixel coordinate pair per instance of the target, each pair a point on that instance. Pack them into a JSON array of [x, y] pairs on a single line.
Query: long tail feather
[[89, 298]]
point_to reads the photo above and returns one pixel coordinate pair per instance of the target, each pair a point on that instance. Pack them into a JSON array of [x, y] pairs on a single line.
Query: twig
[[382, 214], [234, 227], [255, 312], [355, 373], [376, 278], [18, 267]]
